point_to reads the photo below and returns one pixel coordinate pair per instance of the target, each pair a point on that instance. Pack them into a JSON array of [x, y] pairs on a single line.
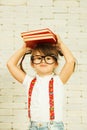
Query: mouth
[[43, 65]]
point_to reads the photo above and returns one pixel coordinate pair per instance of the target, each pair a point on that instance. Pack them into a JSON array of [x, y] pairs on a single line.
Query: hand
[[59, 39], [28, 49], [58, 45], [24, 45]]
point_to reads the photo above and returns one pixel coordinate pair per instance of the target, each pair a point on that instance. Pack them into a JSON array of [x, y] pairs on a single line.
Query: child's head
[[45, 56]]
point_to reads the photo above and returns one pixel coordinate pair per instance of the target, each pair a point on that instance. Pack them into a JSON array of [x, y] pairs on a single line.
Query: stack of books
[[31, 38]]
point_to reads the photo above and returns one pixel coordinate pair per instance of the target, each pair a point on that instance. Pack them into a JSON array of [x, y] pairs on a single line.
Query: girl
[[44, 90]]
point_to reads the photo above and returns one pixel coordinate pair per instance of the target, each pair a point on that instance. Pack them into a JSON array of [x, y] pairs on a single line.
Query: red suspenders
[[51, 97], [29, 95]]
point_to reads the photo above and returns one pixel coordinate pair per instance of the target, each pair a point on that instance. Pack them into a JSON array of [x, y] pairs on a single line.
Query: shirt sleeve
[[58, 80]]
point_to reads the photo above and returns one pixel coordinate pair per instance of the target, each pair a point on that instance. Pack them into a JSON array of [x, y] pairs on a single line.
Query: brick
[[20, 126], [9, 2], [13, 105], [6, 98], [6, 112], [76, 127], [40, 3], [5, 126]]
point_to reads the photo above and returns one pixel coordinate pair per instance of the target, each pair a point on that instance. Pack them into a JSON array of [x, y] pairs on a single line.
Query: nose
[[43, 60]]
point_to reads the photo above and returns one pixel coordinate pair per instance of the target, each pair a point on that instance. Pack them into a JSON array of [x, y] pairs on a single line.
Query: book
[[31, 38], [36, 32]]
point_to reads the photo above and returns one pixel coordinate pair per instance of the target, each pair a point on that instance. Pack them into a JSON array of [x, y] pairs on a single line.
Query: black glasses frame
[[44, 57]]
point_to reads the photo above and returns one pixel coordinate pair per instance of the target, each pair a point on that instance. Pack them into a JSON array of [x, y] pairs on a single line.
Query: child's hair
[[43, 48]]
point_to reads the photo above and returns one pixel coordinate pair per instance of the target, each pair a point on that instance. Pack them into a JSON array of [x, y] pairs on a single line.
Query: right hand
[[28, 49]]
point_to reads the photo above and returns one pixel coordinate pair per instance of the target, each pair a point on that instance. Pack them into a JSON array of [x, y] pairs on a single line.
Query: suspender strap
[[51, 98], [29, 95]]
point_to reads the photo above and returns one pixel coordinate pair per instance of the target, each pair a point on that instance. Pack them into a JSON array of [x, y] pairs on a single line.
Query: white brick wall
[[69, 19]]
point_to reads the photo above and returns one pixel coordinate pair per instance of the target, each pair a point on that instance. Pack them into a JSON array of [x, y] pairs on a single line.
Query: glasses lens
[[36, 59], [50, 59]]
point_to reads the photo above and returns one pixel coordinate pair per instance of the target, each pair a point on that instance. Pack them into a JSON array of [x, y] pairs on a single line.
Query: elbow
[[9, 64], [73, 64], [72, 60]]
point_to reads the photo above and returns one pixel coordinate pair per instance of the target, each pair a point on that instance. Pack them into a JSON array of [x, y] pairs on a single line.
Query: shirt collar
[[45, 77]]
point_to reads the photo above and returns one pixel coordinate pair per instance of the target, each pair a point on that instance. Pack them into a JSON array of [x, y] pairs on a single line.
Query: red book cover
[[34, 37], [36, 32]]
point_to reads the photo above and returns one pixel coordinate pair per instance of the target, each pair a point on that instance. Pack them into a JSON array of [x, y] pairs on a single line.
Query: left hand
[[58, 45]]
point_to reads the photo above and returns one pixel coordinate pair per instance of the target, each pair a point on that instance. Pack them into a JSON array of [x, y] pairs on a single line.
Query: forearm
[[69, 65], [65, 50], [14, 59], [67, 53], [13, 67]]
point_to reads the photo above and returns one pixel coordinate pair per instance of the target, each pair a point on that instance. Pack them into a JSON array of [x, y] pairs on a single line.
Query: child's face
[[44, 65]]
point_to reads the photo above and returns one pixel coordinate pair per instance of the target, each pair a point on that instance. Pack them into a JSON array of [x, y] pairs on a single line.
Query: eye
[[49, 58], [37, 57]]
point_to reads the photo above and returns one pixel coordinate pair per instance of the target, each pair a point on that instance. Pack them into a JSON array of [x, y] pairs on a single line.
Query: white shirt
[[39, 108]]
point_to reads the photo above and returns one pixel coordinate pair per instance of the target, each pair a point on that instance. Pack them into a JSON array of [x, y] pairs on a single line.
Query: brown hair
[[44, 48]]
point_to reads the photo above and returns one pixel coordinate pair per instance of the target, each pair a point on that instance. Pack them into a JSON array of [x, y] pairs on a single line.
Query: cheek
[[34, 66]]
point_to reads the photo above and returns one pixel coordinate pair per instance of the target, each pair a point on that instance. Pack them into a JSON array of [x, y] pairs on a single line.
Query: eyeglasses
[[49, 59]]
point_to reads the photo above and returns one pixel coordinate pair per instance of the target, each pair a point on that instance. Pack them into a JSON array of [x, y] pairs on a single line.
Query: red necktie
[[51, 98]]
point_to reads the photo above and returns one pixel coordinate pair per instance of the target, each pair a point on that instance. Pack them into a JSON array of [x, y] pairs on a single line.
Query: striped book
[[31, 38]]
